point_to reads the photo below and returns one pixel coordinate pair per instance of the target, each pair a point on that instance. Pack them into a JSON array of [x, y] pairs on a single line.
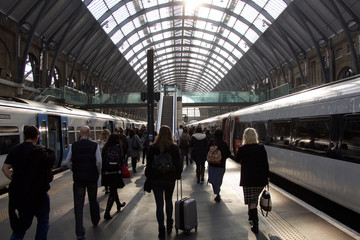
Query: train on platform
[[59, 126], [312, 138]]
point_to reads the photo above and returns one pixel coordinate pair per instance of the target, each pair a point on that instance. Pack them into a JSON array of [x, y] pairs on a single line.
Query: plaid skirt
[[251, 194]]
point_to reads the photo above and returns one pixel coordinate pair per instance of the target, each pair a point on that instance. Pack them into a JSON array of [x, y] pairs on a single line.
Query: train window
[[350, 142], [72, 137], [280, 133], [64, 135], [240, 128], [313, 135], [43, 132], [78, 133], [9, 137], [92, 131], [98, 131], [261, 130]]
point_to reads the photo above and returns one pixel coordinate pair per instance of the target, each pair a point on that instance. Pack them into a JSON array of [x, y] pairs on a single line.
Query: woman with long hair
[[111, 172], [163, 182], [217, 169], [105, 134], [254, 173]]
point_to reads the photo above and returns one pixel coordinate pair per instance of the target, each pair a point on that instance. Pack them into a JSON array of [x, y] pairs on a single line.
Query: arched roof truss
[[203, 45]]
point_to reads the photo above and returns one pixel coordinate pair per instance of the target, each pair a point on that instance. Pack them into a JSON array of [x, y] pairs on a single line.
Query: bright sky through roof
[[200, 40]]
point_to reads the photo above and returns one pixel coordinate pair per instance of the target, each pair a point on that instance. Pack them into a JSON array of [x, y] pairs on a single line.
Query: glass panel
[[260, 128], [9, 137], [43, 130], [64, 135], [350, 142], [92, 131], [313, 135], [239, 129], [71, 135], [8, 129], [280, 133]]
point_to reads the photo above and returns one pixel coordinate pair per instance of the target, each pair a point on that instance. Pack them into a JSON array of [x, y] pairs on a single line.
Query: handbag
[[125, 172], [265, 202]]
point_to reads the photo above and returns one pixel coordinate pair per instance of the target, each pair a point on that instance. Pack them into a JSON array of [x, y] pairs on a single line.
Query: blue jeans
[[25, 218], [160, 187], [79, 189]]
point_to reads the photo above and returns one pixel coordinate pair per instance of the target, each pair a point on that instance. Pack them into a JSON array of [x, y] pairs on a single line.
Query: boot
[[109, 204], [161, 233], [169, 225], [198, 175], [202, 172], [249, 219], [255, 220]]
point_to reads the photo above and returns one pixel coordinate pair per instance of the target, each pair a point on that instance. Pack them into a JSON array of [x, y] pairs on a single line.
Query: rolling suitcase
[[185, 212]]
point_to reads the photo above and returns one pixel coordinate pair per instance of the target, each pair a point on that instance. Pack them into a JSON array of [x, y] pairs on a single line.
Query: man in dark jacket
[[29, 168], [84, 159]]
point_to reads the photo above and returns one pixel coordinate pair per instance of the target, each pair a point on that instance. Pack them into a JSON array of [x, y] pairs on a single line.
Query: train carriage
[[59, 126], [312, 138]]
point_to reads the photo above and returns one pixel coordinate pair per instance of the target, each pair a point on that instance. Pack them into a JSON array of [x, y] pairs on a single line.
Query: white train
[[312, 138], [59, 126]]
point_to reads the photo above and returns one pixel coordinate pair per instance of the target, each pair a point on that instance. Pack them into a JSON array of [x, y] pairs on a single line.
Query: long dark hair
[[164, 139], [113, 140]]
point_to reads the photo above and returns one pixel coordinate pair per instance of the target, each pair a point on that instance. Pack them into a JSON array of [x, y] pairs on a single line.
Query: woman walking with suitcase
[[163, 180]]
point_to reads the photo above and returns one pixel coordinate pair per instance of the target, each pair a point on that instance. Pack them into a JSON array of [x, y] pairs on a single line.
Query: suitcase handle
[[177, 189]]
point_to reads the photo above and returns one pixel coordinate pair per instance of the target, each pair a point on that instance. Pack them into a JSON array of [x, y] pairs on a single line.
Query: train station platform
[[290, 218]]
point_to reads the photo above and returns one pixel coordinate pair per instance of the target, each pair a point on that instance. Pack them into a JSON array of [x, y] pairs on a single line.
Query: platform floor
[[225, 220]]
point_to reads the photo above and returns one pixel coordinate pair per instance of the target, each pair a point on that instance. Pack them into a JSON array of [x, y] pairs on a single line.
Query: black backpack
[[111, 160], [39, 173], [184, 142], [163, 164], [134, 144]]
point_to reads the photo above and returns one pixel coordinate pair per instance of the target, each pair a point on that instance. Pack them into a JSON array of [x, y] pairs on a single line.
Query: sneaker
[[217, 198]]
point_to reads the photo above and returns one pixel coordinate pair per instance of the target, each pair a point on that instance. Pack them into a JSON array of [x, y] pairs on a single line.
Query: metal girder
[[280, 32], [90, 31], [171, 4], [171, 46], [22, 58], [59, 47], [304, 22], [190, 70], [348, 37]]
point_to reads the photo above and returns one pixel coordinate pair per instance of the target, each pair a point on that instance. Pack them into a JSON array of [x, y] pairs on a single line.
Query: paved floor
[[224, 220]]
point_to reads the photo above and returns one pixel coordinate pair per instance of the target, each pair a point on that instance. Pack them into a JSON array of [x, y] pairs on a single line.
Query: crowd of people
[[106, 158]]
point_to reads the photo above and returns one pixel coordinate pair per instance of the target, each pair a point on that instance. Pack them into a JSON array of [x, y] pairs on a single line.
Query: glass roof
[[196, 42]]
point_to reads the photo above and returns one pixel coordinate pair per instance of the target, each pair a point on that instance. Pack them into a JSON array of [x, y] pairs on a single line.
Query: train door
[[64, 138], [43, 129], [231, 133], [110, 125], [55, 136]]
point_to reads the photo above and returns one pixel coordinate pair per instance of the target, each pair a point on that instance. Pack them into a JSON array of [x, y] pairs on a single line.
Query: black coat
[[199, 144], [173, 150], [114, 179], [254, 165]]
